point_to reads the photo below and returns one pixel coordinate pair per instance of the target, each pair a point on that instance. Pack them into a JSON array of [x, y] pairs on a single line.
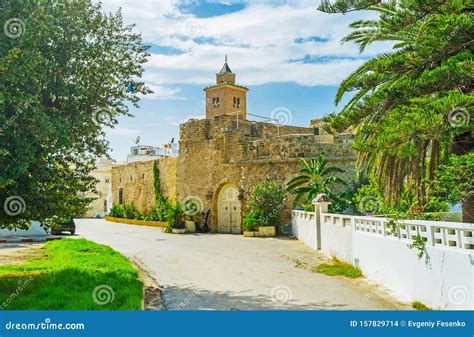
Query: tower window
[[236, 102], [215, 102], [120, 196]]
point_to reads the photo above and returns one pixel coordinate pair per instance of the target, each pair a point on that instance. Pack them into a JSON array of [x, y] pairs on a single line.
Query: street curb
[[29, 239]]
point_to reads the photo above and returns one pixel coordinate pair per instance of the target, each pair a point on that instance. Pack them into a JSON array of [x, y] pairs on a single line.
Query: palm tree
[[411, 106], [315, 178]]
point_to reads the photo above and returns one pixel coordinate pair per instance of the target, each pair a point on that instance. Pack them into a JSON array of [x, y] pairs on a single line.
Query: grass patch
[[339, 268], [419, 306], [64, 276]]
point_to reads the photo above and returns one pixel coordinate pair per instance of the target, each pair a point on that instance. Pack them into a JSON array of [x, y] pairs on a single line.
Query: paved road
[[230, 272]]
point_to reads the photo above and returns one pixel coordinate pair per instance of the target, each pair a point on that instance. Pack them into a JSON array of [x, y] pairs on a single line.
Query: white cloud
[[121, 131], [161, 92], [259, 41]]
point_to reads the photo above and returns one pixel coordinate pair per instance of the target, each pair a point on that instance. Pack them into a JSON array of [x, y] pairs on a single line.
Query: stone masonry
[[228, 150]]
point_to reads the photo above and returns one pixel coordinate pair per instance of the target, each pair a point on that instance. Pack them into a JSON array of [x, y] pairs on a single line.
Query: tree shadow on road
[[190, 298]]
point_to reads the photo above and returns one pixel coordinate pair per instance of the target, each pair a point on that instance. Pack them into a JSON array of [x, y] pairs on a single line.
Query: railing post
[[321, 204], [430, 235]]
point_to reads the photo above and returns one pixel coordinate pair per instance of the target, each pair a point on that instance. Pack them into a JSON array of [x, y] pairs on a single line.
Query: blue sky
[[288, 54]]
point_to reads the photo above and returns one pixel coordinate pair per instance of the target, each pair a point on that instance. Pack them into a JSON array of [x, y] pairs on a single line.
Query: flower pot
[[178, 230], [249, 234], [190, 226], [266, 231]]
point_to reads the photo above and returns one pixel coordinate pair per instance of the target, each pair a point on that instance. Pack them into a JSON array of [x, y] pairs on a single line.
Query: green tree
[[265, 204], [454, 182], [64, 71], [412, 106], [316, 178]]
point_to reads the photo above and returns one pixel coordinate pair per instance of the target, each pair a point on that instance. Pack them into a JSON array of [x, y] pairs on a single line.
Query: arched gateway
[[228, 210]]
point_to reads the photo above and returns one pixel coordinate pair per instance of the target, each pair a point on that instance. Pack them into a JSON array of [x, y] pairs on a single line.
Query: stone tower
[[226, 97]]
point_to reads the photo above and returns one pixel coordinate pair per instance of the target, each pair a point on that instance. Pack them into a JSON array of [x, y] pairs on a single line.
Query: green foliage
[[126, 211], [265, 204], [369, 198], [62, 80], [174, 217], [411, 107], [116, 211], [418, 243], [162, 204], [339, 268], [315, 178], [454, 181], [417, 305], [63, 275], [252, 220], [344, 6]]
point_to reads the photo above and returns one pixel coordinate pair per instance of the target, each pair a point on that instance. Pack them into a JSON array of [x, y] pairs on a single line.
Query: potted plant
[[175, 219]]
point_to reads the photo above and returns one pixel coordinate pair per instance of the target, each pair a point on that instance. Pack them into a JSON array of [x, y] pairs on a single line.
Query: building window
[[120, 196], [215, 102], [105, 205], [131, 178], [107, 181], [316, 130], [236, 102]]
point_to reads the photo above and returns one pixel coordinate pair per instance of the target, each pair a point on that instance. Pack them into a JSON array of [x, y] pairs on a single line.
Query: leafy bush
[[252, 221], [127, 211], [116, 211], [174, 217], [265, 203], [160, 212]]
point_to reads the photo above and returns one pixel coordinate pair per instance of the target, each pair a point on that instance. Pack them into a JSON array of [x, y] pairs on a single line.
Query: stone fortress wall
[[225, 155], [220, 151], [136, 182]]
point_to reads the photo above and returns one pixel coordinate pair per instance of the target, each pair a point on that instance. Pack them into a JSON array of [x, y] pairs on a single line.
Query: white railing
[[435, 233], [304, 215], [378, 246]]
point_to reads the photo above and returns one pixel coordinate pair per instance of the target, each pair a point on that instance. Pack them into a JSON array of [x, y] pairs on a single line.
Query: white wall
[[35, 229], [336, 238], [303, 225], [433, 280], [442, 279]]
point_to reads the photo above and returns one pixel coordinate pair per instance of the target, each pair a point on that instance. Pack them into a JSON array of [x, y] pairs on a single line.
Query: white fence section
[[442, 279], [303, 224]]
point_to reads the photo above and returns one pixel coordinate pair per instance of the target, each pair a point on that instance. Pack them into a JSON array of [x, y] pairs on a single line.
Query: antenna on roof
[[226, 58]]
